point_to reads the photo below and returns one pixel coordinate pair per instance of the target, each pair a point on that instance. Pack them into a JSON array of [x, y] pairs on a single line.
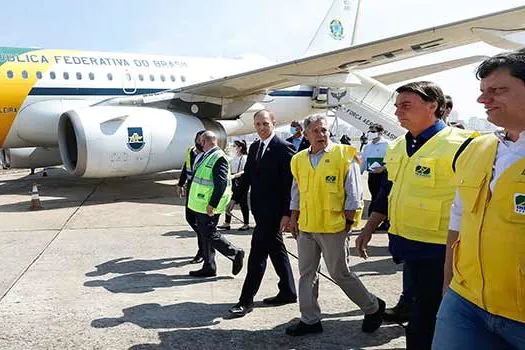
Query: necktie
[[260, 150]]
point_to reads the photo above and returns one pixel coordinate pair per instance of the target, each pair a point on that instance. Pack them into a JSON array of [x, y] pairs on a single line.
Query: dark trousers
[[374, 185], [267, 241], [407, 295], [192, 221], [212, 240], [427, 277], [243, 203]]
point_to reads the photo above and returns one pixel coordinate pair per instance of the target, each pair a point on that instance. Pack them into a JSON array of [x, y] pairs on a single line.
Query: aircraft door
[[129, 84]]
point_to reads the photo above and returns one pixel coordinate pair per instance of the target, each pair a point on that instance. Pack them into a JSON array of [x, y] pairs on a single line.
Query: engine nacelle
[[109, 141], [30, 157]]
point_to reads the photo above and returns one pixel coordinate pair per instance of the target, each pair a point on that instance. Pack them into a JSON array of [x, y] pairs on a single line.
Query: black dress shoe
[[237, 262], [302, 328], [400, 313], [280, 300], [240, 310], [197, 260], [373, 321], [203, 273]]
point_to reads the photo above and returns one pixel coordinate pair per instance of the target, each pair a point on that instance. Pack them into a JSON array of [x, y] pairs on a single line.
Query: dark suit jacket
[[304, 143], [270, 180]]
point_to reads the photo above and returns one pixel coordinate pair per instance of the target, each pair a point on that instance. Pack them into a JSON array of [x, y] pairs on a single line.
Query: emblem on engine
[[336, 29], [135, 139]]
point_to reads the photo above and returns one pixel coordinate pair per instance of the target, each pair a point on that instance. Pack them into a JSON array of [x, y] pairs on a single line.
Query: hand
[[181, 190], [378, 170], [283, 226], [294, 228], [361, 243], [210, 210]]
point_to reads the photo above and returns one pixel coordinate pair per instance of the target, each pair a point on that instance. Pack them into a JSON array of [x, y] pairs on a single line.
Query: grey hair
[[312, 119], [209, 136]]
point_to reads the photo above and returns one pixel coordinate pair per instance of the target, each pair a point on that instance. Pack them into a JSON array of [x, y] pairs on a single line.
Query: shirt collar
[[428, 132], [328, 148], [267, 141], [500, 134]]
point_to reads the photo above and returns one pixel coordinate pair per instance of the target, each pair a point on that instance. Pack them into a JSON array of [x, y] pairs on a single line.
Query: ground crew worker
[[485, 305], [419, 164], [193, 153], [210, 193], [326, 192]]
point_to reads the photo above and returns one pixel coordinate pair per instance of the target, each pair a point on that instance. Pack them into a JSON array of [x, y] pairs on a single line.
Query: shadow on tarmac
[[378, 267], [125, 265], [141, 282], [337, 335], [68, 191], [153, 316]]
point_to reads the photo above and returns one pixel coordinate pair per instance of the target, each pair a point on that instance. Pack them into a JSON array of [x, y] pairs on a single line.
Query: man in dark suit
[[267, 172], [297, 139], [192, 156]]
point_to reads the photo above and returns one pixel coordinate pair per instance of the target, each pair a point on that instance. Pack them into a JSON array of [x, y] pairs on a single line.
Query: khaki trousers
[[335, 250]]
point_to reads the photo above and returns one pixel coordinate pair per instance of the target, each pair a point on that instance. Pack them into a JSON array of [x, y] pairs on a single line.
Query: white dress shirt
[[508, 153]]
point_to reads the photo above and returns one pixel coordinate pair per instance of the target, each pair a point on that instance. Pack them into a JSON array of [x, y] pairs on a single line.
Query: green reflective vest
[[202, 185]]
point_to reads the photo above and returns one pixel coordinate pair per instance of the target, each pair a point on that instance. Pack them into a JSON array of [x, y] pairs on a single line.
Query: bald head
[[208, 140]]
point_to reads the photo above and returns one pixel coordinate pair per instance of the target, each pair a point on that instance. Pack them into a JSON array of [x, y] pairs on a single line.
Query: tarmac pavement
[[105, 263]]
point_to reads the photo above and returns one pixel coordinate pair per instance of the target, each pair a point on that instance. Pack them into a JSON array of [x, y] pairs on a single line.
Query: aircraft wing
[[412, 73], [253, 85]]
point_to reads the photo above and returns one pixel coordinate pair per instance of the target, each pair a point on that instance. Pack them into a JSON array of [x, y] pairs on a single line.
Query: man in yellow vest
[[419, 165], [484, 308], [210, 193], [326, 192], [193, 154]]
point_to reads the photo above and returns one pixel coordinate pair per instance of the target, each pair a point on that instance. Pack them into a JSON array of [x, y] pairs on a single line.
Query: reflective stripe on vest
[[422, 192], [202, 186], [489, 256], [321, 190]]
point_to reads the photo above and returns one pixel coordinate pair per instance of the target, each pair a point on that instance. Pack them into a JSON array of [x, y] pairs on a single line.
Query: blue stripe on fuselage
[[67, 91]]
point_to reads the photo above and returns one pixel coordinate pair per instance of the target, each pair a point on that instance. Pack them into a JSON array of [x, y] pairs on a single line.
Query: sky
[[276, 29]]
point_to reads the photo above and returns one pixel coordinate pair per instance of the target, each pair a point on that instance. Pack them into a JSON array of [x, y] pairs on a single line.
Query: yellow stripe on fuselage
[[13, 92]]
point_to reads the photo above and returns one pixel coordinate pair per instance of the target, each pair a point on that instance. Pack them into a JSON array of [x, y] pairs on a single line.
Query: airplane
[[116, 114]]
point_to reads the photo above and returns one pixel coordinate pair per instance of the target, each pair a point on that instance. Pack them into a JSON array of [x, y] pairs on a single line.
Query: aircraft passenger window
[[151, 77], [39, 75], [66, 75], [24, 74], [91, 76], [128, 77], [162, 77], [10, 74], [183, 78], [79, 76], [110, 76], [172, 78], [141, 77], [52, 75]]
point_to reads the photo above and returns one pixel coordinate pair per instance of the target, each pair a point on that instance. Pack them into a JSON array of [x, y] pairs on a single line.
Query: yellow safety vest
[[188, 164], [489, 256], [422, 192], [321, 190]]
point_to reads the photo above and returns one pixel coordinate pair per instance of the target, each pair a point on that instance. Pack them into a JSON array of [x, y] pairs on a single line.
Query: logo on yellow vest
[[330, 179], [519, 203], [423, 171]]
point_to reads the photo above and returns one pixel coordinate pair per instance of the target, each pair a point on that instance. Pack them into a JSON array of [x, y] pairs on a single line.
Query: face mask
[[372, 135], [293, 130], [199, 147]]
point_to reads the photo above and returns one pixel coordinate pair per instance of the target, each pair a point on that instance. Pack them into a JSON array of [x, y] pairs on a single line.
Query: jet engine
[[109, 141]]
